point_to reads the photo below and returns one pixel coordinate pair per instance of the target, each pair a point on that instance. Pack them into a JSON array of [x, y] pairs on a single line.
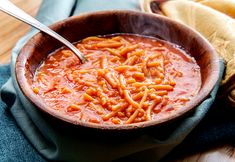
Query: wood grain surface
[[10, 32], [11, 29]]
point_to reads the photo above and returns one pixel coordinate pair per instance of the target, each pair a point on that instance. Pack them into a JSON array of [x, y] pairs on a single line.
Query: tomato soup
[[127, 79]]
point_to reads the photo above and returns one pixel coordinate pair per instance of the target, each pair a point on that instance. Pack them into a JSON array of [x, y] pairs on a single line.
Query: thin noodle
[[123, 81]]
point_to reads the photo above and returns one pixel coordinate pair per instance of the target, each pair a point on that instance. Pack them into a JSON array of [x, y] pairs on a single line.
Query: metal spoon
[[9, 8]]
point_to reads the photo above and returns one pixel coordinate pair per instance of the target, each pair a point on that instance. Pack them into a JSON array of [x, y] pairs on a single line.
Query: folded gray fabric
[[56, 142], [12, 142]]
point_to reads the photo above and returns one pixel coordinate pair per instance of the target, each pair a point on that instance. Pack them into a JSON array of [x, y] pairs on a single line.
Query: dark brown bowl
[[108, 22]]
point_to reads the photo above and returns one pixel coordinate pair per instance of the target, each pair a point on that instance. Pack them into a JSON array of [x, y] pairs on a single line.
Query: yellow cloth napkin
[[214, 19], [225, 6]]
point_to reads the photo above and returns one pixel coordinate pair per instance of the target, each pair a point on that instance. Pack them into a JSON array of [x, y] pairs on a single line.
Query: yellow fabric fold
[[214, 20], [225, 6]]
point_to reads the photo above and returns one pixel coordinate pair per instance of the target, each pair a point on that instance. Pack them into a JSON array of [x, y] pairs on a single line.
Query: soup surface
[[127, 79]]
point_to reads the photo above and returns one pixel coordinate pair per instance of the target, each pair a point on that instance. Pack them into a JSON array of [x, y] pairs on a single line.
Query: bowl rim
[[38, 102]]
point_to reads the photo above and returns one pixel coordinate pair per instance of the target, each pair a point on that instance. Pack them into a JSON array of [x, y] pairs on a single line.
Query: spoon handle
[[9, 8]]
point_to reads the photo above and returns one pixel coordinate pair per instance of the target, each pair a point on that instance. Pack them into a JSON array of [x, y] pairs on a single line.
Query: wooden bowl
[[108, 22]]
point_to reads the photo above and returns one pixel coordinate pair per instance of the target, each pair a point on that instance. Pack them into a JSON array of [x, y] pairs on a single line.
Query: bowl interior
[[109, 22]]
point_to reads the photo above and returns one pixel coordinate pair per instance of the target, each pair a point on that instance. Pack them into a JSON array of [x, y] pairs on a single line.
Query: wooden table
[[10, 32], [11, 29]]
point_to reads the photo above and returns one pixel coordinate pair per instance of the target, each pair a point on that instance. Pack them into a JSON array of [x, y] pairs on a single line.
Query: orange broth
[[127, 79]]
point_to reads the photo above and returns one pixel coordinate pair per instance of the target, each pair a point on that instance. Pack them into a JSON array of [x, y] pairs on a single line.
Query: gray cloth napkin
[[55, 142]]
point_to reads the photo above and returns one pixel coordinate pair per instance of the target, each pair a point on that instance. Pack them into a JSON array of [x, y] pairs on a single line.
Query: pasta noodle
[[128, 79]]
